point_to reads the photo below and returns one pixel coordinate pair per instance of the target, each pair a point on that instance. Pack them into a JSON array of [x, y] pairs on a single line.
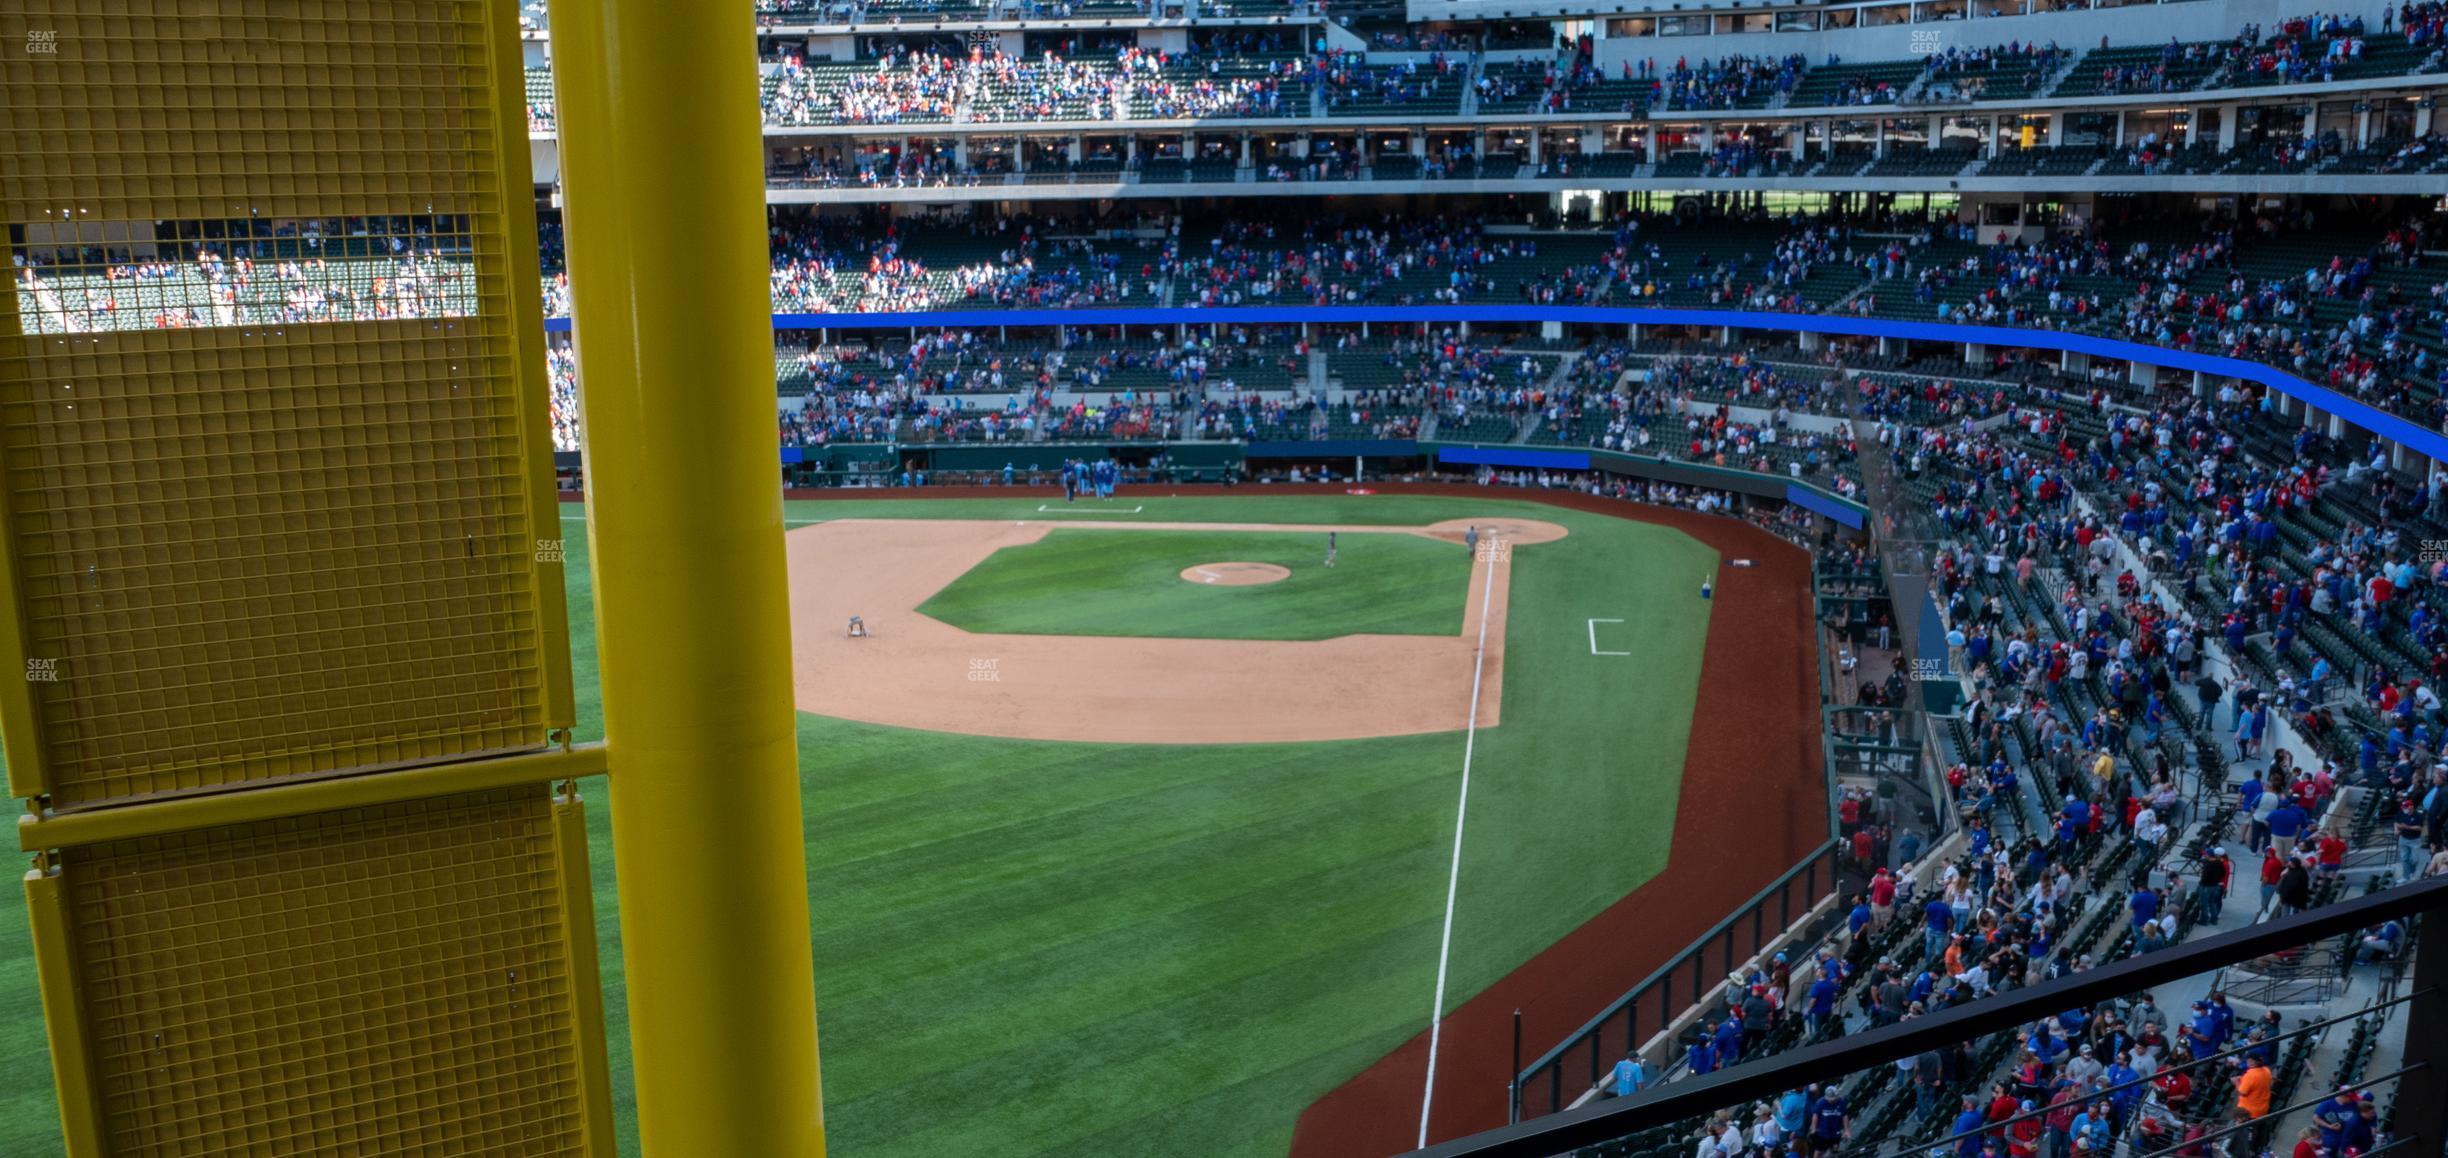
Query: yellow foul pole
[[662, 159]]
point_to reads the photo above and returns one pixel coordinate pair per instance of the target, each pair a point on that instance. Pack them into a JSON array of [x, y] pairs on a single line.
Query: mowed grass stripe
[[1062, 990], [1040, 792], [1150, 892], [1143, 1059], [1079, 581], [918, 767], [1118, 807], [1204, 1121]]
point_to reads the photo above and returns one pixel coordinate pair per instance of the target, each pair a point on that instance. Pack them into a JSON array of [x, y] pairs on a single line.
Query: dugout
[[1141, 462], [1336, 458]]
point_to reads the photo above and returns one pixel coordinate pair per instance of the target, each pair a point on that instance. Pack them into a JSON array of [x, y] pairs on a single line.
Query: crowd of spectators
[[2081, 843], [1965, 73], [1383, 259], [901, 87], [2154, 76], [1550, 84], [2413, 154], [1448, 373], [284, 279], [910, 79], [826, 264], [1865, 89], [2305, 50], [2425, 24], [927, 84], [1348, 78], [1729, 83], [561, 373]]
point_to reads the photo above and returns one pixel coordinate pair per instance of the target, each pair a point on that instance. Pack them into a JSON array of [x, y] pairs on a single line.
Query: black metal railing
[[2422, 1091], [1676, 986]]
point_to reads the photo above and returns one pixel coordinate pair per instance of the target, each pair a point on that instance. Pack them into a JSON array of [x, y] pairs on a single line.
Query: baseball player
[[1470, 539], [1330, 548]]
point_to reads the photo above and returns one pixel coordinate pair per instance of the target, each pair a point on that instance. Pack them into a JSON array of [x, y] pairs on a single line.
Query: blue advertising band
[[2367, 417]]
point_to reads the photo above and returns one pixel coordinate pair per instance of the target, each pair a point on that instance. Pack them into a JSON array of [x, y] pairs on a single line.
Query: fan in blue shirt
[[1789, 1112], [1630, 1076], [2145, 905], [1968, 1128]]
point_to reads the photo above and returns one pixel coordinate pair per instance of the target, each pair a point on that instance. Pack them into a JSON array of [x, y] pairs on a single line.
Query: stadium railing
[[1676, 986], [2419, 1115]]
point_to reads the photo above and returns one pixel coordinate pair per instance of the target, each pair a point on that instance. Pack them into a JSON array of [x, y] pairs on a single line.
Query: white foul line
[[1593, 632], [1046, 510], [1453, 880]]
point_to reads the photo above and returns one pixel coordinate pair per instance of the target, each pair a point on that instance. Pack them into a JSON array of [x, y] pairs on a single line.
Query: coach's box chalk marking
[[1593, 634]]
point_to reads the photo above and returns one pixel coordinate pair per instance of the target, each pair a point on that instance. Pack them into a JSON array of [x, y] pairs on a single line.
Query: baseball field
[[1134, 827]]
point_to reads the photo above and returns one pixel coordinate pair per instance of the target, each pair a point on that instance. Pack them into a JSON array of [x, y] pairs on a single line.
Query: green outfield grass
[[1088, 949], [1077, 581]]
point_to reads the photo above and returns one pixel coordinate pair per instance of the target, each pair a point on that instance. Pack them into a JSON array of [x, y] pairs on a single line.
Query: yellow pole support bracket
[[72, 1047], [586, 981], [46, 830]]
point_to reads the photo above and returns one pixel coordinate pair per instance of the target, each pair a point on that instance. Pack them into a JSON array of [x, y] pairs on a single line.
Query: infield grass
[[1030, 947], [1078, 581]]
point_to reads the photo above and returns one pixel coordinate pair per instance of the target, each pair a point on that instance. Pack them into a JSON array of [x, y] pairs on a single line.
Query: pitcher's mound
[[1235, 574]]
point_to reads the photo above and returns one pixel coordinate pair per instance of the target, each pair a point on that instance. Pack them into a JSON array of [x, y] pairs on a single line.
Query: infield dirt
[[914, 671]]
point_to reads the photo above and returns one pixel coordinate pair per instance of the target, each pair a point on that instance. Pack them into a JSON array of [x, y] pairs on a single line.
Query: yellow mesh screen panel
[[145, 110], [300, 550], [270, 454], [388, 980], [275, 503]]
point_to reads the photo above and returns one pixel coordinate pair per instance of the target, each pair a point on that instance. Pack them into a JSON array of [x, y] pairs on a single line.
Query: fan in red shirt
[[2175, 1088], [2023, 1138], [2332, 850], [2002, 1106]]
